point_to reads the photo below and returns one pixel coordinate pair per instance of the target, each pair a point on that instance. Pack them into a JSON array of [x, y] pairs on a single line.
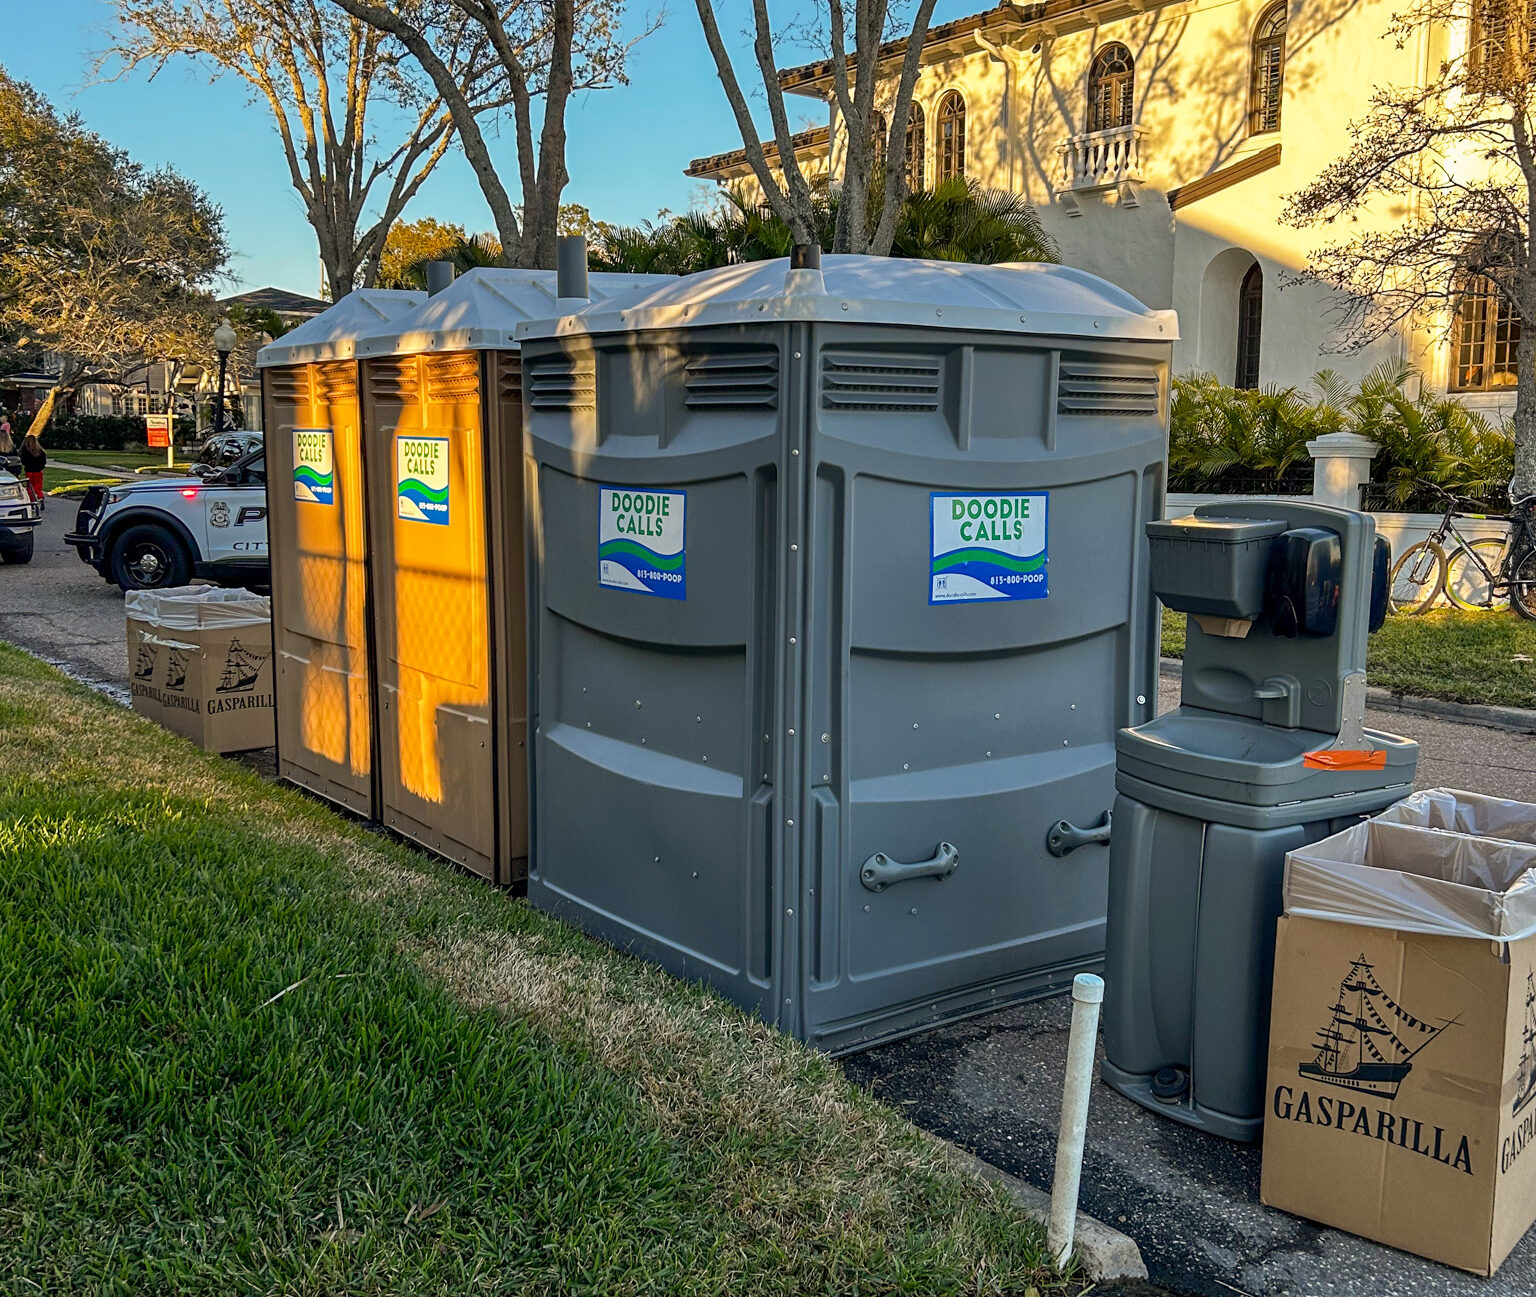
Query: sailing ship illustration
[[241, 667], [144, 664], [1371, 1042], [1525, 1089], [175, 669]]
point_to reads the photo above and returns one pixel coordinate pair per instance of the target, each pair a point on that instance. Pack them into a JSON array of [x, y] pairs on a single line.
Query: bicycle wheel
[[1467, 585], [1417, 578], [1522, 592]]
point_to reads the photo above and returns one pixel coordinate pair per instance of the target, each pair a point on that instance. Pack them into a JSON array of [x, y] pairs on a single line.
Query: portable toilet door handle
[[880, 871], [1064, 838]]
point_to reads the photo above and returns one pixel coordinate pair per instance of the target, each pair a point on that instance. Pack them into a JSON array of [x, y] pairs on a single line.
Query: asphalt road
[[992, 1084], [58, 608]]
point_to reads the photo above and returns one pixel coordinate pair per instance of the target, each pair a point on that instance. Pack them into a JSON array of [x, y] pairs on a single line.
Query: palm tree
[[957, 221], [476, 251]]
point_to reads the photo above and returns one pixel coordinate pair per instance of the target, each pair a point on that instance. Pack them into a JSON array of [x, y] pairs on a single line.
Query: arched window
[[917, 149], [1483, 338], [1111, 89], [1250, 322], [878, 130], [951, 160], [1268, 70]]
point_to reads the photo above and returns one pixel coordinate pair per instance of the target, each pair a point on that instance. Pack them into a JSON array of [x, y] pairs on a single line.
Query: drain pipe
[[571, 291], [1087, 995], [804, 278]]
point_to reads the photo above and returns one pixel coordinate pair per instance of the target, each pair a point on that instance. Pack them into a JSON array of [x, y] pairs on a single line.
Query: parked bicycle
[[1479, 574]]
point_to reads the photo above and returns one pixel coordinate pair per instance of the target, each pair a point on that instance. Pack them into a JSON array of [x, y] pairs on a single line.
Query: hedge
[[99, 431]]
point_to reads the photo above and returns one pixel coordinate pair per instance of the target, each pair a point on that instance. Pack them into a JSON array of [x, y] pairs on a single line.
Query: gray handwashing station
[[1267, 752]]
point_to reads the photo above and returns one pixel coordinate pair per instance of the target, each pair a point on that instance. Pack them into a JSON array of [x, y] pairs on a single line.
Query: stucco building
[[1159, 142]]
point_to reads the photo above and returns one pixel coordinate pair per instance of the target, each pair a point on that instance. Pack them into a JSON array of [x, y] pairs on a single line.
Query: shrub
[[1223, 439], [99, 431]]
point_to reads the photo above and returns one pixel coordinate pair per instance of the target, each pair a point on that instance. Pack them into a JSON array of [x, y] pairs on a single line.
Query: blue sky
[[626, 154]]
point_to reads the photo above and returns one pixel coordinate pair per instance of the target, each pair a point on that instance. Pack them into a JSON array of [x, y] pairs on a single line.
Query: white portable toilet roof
[[1014, 297], [332, 334], [482, 308]]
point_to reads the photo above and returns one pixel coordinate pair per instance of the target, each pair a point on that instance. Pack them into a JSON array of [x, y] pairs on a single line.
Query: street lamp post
[[224, 340]]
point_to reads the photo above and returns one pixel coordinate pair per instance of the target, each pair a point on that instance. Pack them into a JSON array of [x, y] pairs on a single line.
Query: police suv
[[19, 514], [163, 531]]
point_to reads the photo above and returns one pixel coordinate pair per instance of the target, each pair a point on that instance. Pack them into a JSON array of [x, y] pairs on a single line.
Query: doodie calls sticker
[[421, 479], [641, 541], [990, 546]]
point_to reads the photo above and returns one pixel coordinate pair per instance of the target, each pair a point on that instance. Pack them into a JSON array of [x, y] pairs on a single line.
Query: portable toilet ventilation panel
[[838, 597]]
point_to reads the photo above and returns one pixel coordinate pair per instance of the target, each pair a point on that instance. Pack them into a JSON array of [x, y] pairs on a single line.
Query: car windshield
[[256, 469], [221, 451]]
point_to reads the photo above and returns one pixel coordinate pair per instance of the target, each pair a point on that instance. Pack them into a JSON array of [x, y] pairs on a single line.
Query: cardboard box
[[212, 677], [144, 669], [1402, 1064]]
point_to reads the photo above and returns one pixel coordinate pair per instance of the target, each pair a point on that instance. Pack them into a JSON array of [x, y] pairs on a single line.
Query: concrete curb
[[1517, 720], [1104, 1254]]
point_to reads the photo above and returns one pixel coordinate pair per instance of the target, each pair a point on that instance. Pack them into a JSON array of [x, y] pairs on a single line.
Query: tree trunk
[[1523, 483], [44, 413]]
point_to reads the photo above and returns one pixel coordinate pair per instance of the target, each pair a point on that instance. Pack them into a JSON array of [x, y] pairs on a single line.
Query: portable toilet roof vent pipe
[[318, 549], [443, 450], [838, 597], [1267, 752]]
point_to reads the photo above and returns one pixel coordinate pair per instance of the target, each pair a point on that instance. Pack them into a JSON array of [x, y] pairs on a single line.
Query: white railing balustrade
[[1102, 160]]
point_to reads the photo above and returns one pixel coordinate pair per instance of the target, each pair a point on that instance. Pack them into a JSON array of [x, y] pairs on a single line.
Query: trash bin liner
[[1381, 874], [1459, 812]]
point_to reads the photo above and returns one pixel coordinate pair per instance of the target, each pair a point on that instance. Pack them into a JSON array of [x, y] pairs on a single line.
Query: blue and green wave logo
[[422, 503], [660, 574], [622, 548], [313, 487], [991, 557]]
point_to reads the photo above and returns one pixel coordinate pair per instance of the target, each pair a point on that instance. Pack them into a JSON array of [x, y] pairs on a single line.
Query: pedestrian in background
[[7, 446], [33, 460]]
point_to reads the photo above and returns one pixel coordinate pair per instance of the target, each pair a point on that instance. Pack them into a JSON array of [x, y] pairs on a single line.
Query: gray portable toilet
[[318, 546], [837, 597], [442, 437], [1267, 752]]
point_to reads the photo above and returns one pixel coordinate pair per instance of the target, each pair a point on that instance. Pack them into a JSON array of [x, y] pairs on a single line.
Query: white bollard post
[[1087, 995]]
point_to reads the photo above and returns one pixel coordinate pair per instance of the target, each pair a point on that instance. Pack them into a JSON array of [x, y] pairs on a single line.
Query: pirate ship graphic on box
[[241, 668], [1371, 1041], [144, 664], [1525, 1074], [176, 669]]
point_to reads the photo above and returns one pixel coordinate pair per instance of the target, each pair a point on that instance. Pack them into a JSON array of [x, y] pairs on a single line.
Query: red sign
[[159, 428]]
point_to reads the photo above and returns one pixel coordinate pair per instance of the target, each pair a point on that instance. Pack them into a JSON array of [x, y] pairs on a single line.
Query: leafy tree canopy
[[104, 264]]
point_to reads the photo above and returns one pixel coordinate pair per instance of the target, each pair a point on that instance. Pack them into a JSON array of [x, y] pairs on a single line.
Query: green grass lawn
[[246, 1046], [1464, 657], [63, 479]]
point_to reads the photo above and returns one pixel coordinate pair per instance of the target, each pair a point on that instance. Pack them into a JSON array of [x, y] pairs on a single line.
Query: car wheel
[[148, 557], [21, 552]]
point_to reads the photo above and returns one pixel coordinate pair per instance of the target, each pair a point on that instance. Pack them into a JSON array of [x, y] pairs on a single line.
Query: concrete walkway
[[91, 470]]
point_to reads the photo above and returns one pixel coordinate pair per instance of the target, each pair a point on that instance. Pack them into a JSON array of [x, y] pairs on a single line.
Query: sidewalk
[[90, 469]]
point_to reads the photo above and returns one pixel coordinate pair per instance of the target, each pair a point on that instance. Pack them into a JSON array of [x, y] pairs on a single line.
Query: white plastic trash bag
[[1458, 812], [196, 607], [1416, 879]]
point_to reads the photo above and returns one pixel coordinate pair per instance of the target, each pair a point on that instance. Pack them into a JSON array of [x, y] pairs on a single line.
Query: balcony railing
[[1100, 160]]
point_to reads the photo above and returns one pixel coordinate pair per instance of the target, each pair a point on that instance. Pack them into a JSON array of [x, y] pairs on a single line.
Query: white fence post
[[1341, 465]]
